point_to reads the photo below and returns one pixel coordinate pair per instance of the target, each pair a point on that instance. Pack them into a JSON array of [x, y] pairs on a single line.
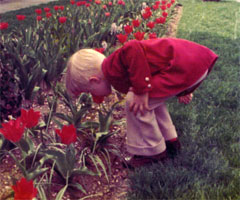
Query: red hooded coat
[[163, 67]]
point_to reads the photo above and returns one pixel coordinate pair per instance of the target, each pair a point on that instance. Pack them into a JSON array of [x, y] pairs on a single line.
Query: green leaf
[[24, 145], [36, 173], [70, 157], [79, 187], [61, 193]]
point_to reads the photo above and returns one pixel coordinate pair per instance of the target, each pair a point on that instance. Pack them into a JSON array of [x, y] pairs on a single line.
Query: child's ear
[[94, 79]]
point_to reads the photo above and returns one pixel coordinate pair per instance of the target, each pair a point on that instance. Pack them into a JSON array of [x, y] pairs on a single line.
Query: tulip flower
[[68, 134], [147, 14], [139, 35], [21, 17], [110, 3], [172, 1], [39, 18], [157, 2], [160, 20], [100, 50], [128, 29], [155, 7], [48, 15], [169, 5], [47, 9], [3, 25], [152, 35], [98, 99], [104, 7], [30, 118], [24, 189], [81, 3], [163, 7], [164, 14], [121, 2], [151, 25], [87, 4], [135, 23], [97, 2], [122, 38], [61, 8], [164, 2], [107, 14], [13, 130], [72, 2], [62, 20], [38, 11], [56, 8]]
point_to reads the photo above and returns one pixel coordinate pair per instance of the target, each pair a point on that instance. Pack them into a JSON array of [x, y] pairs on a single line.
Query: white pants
[[146, 134]]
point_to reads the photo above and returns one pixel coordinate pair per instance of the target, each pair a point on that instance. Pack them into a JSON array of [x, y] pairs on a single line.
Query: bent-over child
[[149, 72]]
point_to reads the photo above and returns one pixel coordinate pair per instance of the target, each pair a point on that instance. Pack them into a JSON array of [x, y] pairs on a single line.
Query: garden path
[[9, 5]]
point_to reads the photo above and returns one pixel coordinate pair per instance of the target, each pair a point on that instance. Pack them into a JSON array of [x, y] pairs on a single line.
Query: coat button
[[147, 79], [149, 85]]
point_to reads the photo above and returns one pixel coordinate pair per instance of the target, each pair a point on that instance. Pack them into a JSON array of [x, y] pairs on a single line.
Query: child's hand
[[139, 103], [185, 99]]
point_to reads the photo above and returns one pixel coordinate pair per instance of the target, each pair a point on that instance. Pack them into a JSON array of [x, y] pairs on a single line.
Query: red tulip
[[163, 7], [98, 99], [47, 9], [152, 35], [72, 2], [155, 7], [21, 17], [100, 50], [30, 118], [39, 18], [172, 1], [122, 38], [169, 5], [121, 2], [98, 2], [139, 35], [62, 19], [107, 14], [13, 130], [164, 2], [3, 25], [147, 14], [38, 11], [110, 3], [56, 8], [151, 25], [104, 7], [87, 4], [48, 15], [61, 8], [157, 2], [147, 9], [135, 23], [160, 20], [164, 14], [24, 190], [81, 3], [67, 134], [128, 29]]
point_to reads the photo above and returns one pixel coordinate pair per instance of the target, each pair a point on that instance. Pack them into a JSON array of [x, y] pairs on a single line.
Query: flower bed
[[39, 55]]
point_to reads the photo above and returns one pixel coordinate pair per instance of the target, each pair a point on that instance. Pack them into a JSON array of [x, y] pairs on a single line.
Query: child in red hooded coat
[[149, 72]]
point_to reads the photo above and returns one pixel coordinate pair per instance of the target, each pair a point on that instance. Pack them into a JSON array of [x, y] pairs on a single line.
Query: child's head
[[84, 73]]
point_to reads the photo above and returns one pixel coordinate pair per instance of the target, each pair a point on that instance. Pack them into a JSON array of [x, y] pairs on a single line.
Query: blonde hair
[[80, 67]]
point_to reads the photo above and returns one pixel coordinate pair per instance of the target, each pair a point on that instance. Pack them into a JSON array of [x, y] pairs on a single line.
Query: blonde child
[[149, 72]]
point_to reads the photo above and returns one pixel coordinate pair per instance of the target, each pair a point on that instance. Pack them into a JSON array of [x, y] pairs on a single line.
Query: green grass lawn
[[208, 167]]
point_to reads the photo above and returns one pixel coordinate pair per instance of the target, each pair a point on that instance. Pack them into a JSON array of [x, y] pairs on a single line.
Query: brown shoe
[[173, 148], [138, 161]]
